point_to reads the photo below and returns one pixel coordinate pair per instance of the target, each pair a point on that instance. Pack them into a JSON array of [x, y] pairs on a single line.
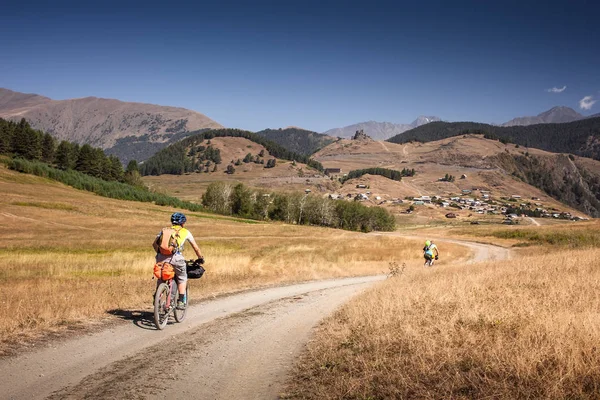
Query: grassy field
[[553, 237], [69, 258], [524, 328]]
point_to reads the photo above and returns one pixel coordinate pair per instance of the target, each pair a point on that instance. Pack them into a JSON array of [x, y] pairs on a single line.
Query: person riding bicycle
[[176, 259], [430, 252]]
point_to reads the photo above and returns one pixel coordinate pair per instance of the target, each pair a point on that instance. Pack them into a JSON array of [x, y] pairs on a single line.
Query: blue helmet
[[178, 218]]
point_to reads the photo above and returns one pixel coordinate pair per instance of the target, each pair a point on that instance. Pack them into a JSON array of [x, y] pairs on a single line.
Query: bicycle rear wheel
[[180, 314], [161, 312]]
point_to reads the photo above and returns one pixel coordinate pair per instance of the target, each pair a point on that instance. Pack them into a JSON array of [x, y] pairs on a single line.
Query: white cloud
[[556, 90], [586, 103]]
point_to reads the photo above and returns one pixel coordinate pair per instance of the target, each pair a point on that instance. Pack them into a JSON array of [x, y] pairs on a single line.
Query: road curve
[[77, 368], [235, 347], [481, 251]]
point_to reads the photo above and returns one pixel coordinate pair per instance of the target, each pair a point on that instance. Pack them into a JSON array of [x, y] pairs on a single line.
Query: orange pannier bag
[[164, 271]]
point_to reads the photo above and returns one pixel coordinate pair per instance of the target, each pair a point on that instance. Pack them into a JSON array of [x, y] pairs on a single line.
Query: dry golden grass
[[556, 236], [69, 257], [526, 328]]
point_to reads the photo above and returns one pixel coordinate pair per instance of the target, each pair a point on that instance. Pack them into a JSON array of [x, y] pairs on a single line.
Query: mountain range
[[379, 130], [137, 130], [129, 130], [553, 115]]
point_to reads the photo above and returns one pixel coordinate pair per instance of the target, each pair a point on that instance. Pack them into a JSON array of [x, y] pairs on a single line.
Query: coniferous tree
[[85, 159], [48, 148], [116, 169], [63, 158], [100, 164], [132, 166], [6, 130]]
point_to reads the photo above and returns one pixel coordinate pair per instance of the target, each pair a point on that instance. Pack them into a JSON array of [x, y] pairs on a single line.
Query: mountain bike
[[429, 261], [167, 294]]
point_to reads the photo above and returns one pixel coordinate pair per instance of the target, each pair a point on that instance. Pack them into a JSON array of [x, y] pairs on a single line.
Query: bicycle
[[167, 295], [429, 261]]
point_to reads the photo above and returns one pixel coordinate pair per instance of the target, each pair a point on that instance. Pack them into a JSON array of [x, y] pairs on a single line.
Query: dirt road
[[235, 347]]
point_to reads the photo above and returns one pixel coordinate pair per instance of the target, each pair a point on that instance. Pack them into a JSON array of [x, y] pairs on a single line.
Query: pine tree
[[85, 159], [116, 168], [132, 166], [48, 148], [5, 136], [20, 143], [63, 155]]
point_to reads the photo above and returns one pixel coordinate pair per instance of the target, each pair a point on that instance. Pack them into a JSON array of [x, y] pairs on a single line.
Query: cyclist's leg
[[180, 274]]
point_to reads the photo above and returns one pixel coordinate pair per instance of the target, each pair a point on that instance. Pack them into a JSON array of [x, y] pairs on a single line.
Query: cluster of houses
[[484, 204], [480, 204]]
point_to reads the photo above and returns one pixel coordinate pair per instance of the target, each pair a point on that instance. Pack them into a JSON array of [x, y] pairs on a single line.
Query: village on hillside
[[474, 201]]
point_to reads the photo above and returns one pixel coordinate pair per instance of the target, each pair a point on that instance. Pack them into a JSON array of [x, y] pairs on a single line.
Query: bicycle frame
[[163, 309]]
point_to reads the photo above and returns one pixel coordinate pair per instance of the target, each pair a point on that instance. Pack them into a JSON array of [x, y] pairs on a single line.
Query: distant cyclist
[[180, 236], [430, 252]]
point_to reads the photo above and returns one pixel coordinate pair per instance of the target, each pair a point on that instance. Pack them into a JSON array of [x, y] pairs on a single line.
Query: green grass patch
[[110, 189], [98, 273], [563, 238], [87, 251], [48, 206], [219, 217]]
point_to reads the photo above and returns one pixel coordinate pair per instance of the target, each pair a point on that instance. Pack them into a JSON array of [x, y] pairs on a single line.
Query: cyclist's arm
[[155, 243], [194, 245]]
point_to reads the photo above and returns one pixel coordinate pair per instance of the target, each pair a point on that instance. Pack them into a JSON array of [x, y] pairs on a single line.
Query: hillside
[[553, 115], [502, 169], [379, 130], [297, 140], [189, 154], [580, 137], [128, 130]]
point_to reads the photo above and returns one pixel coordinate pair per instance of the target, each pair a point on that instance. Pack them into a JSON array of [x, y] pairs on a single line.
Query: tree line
[[175, 159], [111, 189], [572, 137], [388, 173], [20, 140], [295, 208]]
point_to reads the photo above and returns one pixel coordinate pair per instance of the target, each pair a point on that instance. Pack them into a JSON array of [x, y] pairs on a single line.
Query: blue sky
[[313, 64]]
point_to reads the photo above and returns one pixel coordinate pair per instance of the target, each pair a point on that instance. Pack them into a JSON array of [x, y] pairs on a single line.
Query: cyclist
[[176, 259], [430, 252]]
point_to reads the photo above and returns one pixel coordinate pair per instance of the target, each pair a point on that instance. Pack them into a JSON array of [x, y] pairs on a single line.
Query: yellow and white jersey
[[183, 236]]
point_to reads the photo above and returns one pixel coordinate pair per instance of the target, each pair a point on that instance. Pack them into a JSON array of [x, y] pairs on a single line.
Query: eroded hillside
[[128, 130]]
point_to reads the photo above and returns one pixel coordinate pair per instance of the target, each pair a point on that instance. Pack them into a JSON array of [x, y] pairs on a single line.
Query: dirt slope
[[101, 122]]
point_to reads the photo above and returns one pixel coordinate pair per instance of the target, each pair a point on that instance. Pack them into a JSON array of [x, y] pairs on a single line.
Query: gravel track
[[235, 347]]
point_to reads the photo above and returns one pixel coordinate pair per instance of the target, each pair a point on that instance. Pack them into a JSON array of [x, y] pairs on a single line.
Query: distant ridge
[[581, 137], [128, 130], [554, 115], [379, 130]]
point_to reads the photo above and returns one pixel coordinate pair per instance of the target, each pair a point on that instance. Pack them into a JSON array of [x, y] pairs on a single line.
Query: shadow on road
[[142, 319]]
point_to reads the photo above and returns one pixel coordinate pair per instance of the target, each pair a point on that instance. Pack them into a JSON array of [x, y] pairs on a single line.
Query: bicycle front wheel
[[180, 314], [161, 312]]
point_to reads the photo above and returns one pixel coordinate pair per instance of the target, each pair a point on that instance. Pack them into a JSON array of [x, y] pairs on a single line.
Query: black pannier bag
[[194, 270]]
